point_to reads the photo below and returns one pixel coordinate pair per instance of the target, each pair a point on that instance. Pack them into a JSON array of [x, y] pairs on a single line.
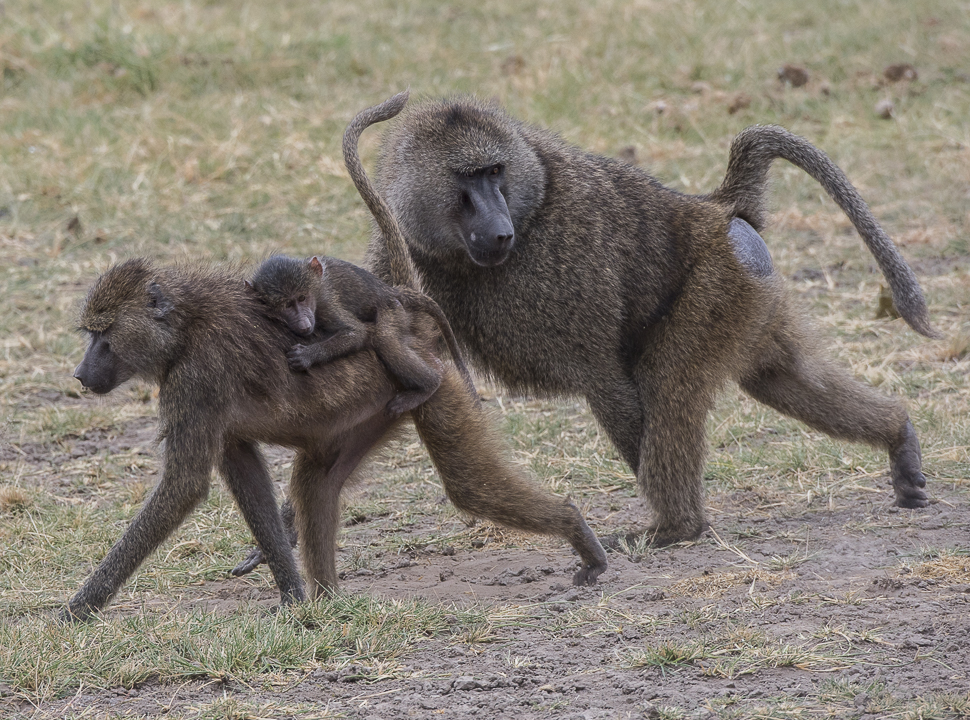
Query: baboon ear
[[160, 305], [249, 285], [316, 266]]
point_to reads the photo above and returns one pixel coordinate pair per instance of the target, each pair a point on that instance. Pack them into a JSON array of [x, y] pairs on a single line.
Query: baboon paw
[[664, 536], [249, 563], [297, 359], [912, 497], [292, 596], [587, 575]]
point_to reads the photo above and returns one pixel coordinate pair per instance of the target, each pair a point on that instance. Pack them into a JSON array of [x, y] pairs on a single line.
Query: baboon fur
[[357, 311], [219, 359], [565, 273]]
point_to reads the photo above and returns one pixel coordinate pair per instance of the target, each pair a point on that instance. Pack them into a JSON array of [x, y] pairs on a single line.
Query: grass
[[46, 657], [211, 131]]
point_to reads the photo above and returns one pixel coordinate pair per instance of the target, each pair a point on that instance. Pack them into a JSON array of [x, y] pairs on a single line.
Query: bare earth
[[781, 607]]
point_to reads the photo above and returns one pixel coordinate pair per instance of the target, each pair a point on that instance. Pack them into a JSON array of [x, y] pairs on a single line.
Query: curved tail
[[402, 269], [745, 184]]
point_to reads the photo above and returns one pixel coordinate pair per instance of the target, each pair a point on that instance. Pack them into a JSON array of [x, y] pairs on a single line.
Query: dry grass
[[211, 131]]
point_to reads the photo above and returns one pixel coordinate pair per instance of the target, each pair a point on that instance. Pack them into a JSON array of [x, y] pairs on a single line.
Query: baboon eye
[[302, 298], [495, 170]]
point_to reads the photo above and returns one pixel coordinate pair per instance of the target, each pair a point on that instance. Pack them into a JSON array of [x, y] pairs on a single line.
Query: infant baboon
[[218, 357], [566, 273], [357, 311]]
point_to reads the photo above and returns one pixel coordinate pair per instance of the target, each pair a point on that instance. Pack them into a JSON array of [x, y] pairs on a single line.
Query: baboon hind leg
[[315, 487], [418, 378], [673, 452], [472, 460], [796, 381]]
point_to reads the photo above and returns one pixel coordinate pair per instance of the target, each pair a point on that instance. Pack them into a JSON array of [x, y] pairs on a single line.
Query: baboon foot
[[662, 535], [905, 463], [406, 401], [293, 595], [249, 563]]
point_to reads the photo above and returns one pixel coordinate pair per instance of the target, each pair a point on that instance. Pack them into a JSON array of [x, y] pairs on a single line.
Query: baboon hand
[[590, 551], [587, 575], [249, 563], [299, 358], [912, 497]]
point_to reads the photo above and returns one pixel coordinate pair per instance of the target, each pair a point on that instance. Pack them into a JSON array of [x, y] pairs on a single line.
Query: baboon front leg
[[472, 460], [184, 485], [245, 473], [826, 398], [615, 403], [672, 456]]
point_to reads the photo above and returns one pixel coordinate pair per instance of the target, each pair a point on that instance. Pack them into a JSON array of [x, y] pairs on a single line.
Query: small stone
[[885, 108], [465, 682], [739, 102]]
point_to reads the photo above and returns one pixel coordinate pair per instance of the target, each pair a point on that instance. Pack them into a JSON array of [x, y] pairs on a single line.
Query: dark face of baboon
[[114, 353], [290, 287], [487, 177]]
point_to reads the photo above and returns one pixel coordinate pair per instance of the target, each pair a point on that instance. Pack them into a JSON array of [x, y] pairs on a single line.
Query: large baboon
[[567, 273], [219, 359]]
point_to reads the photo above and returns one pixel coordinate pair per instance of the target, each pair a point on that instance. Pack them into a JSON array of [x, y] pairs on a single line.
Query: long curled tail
[[744, 188], [402, 268]]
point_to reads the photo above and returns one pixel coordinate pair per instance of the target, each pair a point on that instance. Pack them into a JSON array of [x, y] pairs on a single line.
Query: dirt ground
[[851, 608]]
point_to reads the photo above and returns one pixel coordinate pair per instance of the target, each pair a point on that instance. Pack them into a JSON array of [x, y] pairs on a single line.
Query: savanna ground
[[210, 131]]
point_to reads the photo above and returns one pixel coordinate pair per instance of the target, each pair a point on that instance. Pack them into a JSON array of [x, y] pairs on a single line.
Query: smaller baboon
[[219, 358], [357, 311]]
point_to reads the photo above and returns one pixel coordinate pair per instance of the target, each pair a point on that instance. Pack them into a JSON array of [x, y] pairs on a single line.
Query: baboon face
[[299, 313], [477, 183], [290, 287], [127, 317], [102, 370], [483, 217]]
